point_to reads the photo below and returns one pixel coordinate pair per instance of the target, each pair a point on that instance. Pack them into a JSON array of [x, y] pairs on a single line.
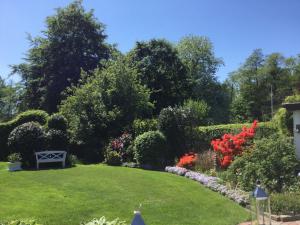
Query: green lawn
[[69, 196]]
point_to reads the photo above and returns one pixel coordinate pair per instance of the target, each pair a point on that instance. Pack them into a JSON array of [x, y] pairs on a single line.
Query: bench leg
[[37, 165], [63, 164]]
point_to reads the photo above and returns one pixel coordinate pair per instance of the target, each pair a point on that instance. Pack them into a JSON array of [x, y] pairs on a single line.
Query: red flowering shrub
[[231, 145], [187, 161]]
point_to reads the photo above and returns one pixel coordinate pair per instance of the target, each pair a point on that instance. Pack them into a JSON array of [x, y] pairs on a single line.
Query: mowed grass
[[70, 196]]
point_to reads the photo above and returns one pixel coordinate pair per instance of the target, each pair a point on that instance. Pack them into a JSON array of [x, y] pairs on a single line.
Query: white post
[[296, 118]]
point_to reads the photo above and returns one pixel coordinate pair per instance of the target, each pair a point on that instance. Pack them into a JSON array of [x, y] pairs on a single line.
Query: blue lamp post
[[137, 219], [260, 207]]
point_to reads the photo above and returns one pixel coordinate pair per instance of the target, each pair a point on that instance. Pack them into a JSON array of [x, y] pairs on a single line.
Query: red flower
[[187, 160], [230, 145]]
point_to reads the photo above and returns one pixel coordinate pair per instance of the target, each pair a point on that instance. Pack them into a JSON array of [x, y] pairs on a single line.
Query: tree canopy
[[161, 70], [106, 104], [73, 41]]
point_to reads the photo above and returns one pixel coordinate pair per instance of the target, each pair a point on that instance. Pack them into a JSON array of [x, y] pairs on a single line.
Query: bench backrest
[[50, 156]]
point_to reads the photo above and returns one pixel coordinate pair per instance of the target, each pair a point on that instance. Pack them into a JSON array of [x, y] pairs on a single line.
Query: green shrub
[[27, 139], [141, 126], [204, 135], [292, 99], [150, 149], [113, 158], [5, 128], [103, 221], [57, 122], [57, 140], [72, 160], [283, 121], [285, 203], [271, 160]]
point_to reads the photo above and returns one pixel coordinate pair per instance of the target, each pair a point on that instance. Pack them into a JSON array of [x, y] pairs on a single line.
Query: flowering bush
[[121, 147], [230, 146], [212, 183], [187, 161]]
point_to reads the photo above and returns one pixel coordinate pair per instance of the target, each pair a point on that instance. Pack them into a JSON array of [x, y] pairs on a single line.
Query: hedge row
[[204, 135], [5, 128]]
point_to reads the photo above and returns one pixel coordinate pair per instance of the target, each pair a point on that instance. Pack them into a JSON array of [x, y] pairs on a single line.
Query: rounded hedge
[[57, 122], [57, 140], [150, 149], [27, 139]]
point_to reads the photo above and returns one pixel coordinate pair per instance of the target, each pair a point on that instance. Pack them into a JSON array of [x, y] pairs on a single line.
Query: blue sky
[[236, 27]]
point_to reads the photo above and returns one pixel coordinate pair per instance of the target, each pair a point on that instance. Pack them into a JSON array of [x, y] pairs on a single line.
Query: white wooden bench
[[50, 156]]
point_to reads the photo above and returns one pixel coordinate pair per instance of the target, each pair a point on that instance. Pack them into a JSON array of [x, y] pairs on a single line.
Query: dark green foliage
[[285, 203], [105, 106], [160, 69], [178, 124], [150, 149], [271, 160], [5, 128], [204, 135], [141, 126], [72, 160], [57, 140], [57, 122], [172, 122], [9, 100], [27, 139], [113, 158], [73, 41]]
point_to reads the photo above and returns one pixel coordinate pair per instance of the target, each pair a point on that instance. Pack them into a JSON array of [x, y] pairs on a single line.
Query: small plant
[[14, 157], [72, 160], [205, 161], [104, 221], [187, 161], [113, 158]]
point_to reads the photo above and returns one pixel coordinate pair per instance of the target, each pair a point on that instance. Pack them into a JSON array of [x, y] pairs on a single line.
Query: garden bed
[[212, 183]]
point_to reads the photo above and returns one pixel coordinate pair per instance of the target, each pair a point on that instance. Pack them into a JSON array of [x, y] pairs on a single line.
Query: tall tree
[[161, 71], [197, 54], [73, 41], [106, 104], [253, 83], [9, 99]]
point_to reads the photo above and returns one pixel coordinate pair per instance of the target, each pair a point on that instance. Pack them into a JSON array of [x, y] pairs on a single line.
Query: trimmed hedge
[[5, 128], [204, 135], [150, 149]]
